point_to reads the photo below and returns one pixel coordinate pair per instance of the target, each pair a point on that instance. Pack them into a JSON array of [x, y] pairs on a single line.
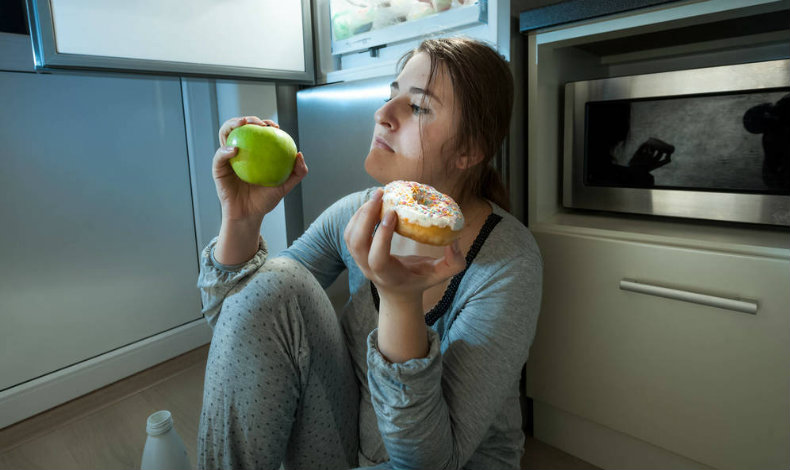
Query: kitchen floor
[[106, 428]]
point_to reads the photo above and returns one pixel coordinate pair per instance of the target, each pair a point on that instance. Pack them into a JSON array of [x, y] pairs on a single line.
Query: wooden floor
[[106, 428]]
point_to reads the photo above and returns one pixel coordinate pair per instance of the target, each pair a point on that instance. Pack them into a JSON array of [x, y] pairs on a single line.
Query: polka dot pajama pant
[[279, 386]]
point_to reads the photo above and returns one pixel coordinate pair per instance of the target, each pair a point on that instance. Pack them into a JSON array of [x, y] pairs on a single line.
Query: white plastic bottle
[[164, 449]]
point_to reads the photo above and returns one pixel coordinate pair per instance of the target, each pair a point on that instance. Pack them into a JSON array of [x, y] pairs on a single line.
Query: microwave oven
[[709, 143]]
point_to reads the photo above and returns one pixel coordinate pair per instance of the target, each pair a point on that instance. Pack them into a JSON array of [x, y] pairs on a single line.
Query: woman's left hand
[[397, 277]]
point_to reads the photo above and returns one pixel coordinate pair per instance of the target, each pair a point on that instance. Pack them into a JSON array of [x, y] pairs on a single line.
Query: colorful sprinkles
[[424, 202]]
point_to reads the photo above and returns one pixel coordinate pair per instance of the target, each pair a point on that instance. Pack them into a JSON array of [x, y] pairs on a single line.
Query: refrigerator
[[335, 128]]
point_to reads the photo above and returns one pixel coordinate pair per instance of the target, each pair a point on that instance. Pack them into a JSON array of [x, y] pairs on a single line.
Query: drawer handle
[[686, 296]]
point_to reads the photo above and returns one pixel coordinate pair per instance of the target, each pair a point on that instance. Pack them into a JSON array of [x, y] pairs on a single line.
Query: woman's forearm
[[402, 333], [238, 241]]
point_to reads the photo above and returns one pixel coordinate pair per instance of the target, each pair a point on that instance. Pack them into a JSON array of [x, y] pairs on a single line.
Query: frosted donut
[[424, 214]]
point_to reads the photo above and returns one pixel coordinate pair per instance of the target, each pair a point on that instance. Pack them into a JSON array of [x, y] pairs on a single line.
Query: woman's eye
[[418, 110]]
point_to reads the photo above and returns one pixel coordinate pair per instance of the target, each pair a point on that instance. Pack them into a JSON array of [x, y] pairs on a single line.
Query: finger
[[365, 219], [228, 126], [361, 257], [301, 165], [225, 153], [350, 227], [220, 163], [268, 122], [451, 264], [261, 122], [298, 173], [254, 120], [359, 230], [433, 270], [379, 257]]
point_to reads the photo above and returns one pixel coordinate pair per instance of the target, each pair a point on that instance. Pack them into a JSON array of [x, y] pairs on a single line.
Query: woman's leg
[[280, 386]]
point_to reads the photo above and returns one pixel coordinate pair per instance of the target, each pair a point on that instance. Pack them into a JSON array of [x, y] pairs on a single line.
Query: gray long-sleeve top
[[459, 406]]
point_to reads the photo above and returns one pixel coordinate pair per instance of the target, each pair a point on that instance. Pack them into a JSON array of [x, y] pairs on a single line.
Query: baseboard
[[31, 398], [601, 446]]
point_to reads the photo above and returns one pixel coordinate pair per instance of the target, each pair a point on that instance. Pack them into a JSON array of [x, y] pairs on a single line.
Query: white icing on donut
[[423, 205]]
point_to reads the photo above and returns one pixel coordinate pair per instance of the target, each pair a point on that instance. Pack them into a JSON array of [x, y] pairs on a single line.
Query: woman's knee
[[285, 279], [277, 283], [278, 311]]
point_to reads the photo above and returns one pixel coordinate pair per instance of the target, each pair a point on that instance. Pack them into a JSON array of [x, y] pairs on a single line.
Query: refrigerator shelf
[[453, 19]]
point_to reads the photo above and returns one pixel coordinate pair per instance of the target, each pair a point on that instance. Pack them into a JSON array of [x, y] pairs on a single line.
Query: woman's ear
[[465, 162]]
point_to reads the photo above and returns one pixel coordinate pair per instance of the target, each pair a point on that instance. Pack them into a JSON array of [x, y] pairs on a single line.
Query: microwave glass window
[[727, 142]]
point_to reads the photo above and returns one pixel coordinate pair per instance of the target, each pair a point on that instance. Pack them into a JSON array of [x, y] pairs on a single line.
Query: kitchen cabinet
[[107, 202], [98, 239], [707, 383], [628, 380]]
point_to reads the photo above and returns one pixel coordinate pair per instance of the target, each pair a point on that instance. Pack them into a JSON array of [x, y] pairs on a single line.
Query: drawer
[[707, 383]]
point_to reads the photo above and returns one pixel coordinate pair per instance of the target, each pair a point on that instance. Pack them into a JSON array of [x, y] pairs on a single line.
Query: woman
[[421, 367]]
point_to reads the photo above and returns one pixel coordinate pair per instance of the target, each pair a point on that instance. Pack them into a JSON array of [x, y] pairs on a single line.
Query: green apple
[[266, 155]]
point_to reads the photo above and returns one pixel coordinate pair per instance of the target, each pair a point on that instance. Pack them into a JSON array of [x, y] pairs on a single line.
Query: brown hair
[[483, 88]]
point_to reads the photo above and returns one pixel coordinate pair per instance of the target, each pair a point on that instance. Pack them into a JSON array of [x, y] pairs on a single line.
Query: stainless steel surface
[[47, 56], [689, 296], [750, 208], [335, 130], [98, 240], [287, 119], [16, 53], [201, 121]]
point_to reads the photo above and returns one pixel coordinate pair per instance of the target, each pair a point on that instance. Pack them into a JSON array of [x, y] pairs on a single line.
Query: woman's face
[[413, 131]]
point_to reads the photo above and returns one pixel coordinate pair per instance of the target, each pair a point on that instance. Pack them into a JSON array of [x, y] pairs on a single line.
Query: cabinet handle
[[686, 296]]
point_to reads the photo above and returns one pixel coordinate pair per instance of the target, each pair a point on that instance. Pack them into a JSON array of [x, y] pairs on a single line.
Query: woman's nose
[[385, 116]]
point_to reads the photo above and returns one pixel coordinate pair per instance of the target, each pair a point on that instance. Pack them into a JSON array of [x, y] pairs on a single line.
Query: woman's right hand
[[241, 201]]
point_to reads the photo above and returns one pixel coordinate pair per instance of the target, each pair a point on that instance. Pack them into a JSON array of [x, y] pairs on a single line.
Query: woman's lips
[[382, 144]]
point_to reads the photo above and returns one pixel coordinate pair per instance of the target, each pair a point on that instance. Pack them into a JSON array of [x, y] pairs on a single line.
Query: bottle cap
[[159, 423]]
